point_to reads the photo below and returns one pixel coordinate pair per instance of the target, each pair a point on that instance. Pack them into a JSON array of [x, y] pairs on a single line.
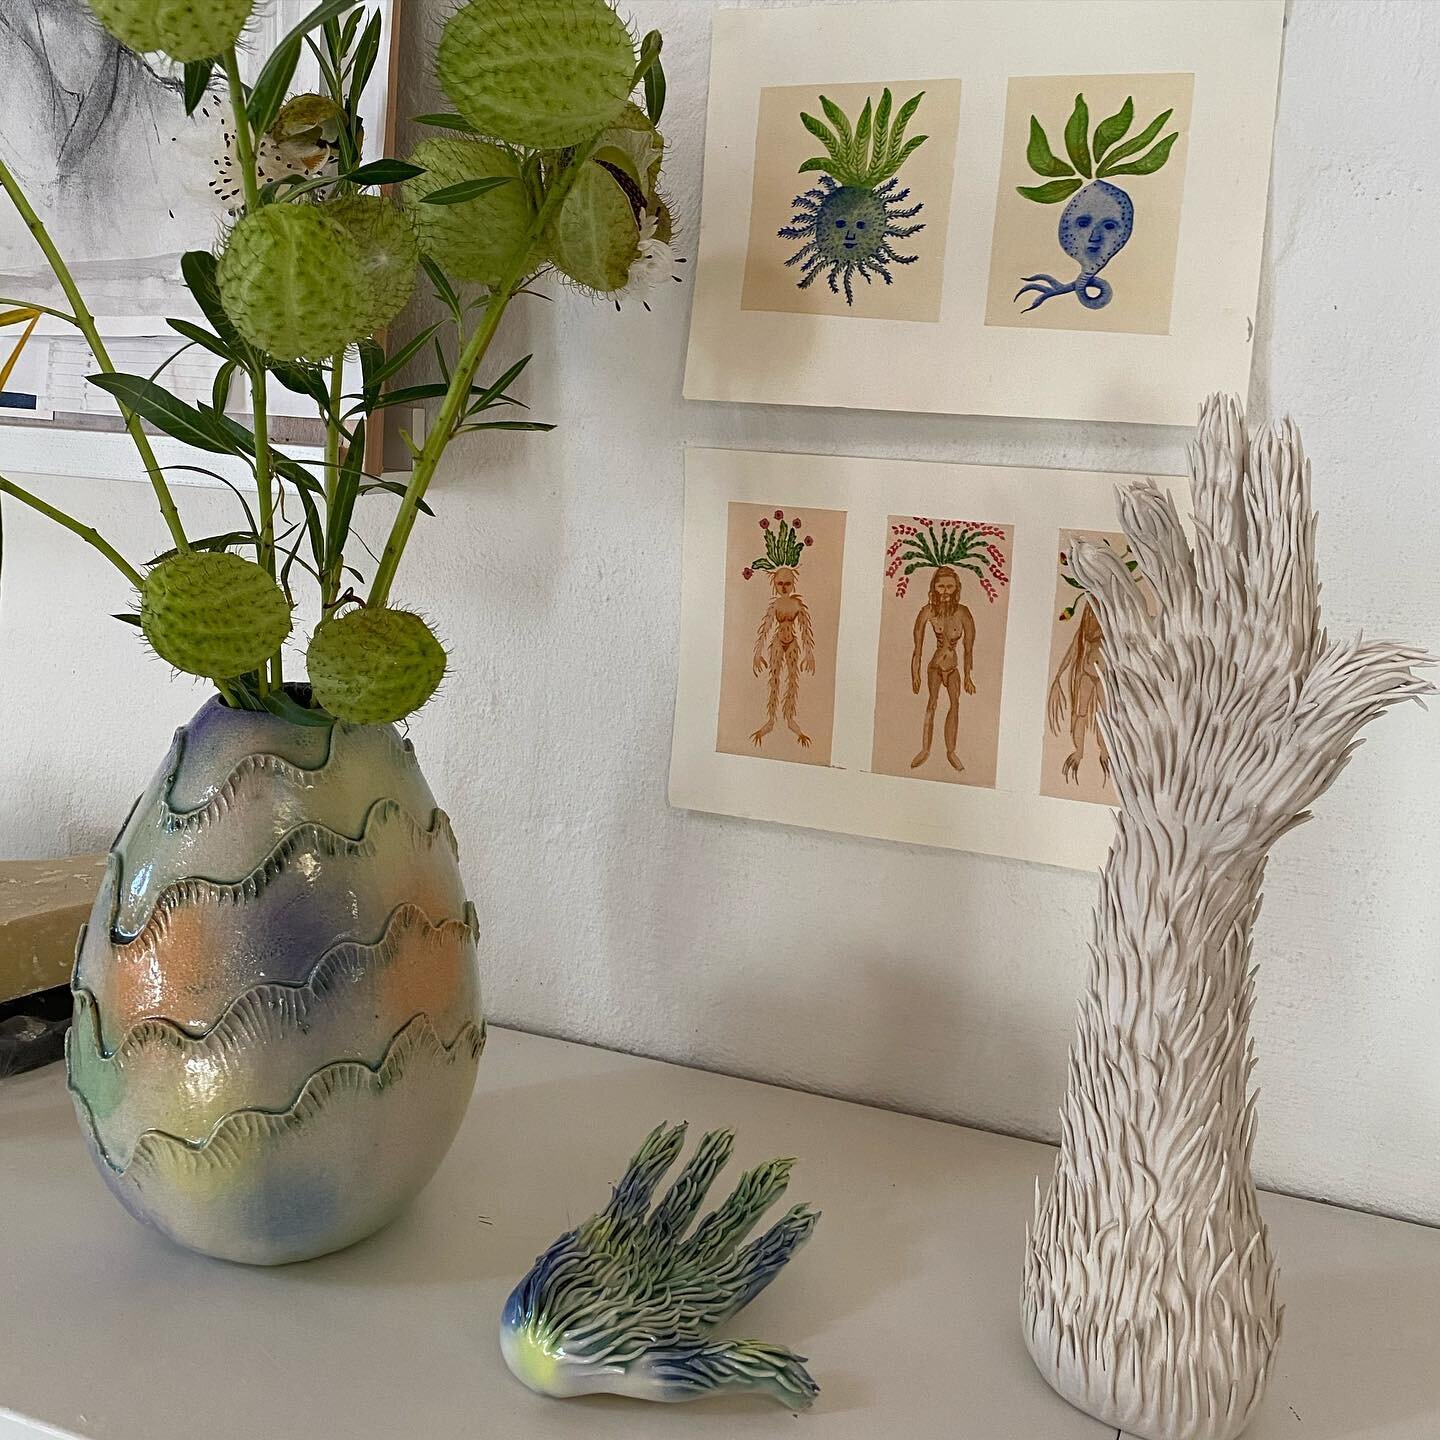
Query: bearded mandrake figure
[[848, 220]]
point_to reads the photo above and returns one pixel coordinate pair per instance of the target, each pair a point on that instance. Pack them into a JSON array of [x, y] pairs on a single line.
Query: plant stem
[[88, 533], [452, 407], [43, 309], [85, 321], [264, 468], [330, 579]]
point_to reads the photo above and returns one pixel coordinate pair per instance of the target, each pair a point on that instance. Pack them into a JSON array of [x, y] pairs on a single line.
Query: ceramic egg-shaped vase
[[277, 1020]]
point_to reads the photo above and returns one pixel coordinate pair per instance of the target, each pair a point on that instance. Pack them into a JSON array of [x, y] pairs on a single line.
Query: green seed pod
[[373, 667], [540, 73], [595, 238], [184, 29], [390, 250], [292, 279], [477, 239], [635, 147], [213, 613]]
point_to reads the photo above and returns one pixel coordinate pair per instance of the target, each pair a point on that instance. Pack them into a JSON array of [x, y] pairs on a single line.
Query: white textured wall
[[914, 978]]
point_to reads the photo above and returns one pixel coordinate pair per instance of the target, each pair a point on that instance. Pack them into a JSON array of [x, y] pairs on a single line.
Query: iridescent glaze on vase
[[277, 1018]]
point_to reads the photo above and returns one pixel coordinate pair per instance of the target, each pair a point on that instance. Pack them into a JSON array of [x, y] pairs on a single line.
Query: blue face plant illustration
[[1099, 219], [849, 218]]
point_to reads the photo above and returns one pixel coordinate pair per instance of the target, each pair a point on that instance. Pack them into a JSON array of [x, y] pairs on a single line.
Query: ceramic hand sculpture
[[1149, 1295], [625, 1304]]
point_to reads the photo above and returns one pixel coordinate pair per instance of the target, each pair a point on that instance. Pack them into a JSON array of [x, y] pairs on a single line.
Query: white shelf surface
[[906, 1300]]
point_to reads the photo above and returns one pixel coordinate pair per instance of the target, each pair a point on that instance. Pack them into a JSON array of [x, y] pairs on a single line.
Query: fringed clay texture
[[277, 1016], [1149, 1296]]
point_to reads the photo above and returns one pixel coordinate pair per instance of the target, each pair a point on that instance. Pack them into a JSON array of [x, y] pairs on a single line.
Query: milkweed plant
[[548, 163]]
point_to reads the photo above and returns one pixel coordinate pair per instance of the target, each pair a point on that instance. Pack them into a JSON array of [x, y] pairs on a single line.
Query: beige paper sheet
[[1181, 323], [1007, 814]]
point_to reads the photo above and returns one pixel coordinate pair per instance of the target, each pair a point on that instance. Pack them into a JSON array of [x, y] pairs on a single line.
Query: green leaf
[[1043, 160], [862, 126], [650, 48], [1112, 129], [383, 172], [505, 425], [816, 162], [211, 542], [491, 393], [366, 53], [465, 190], [1052, 193], [1149, 162], [447, 122], [1077, 137], [1135, 146], [198, 269], [444, 290], [268, 94], [837, 118], [197, 82], [200, 428], [301, 379], [394, 487], [220, 386], [882, 127], [655, 91], [834, 147], [197, 335], [128, 619], [400, 358]]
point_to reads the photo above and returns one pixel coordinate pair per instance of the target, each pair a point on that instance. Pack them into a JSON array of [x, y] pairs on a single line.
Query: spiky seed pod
[[475, 240], [292, 278], [185, 30], [540, 73], [373, 667], [390, 250], [213, 614], [595, 238]]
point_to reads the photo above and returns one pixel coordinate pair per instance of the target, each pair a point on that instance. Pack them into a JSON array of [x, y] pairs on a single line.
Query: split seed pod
[[373, 667], [474, 240], [539, 73], [185, 30], [595, 237], [214, 614], [292, 278]]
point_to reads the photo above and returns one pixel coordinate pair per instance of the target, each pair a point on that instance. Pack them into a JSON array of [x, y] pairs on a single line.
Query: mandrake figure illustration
[[624, 1305], [1100, 218], [849, 218]]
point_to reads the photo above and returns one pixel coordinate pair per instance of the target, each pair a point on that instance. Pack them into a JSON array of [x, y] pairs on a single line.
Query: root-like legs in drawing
[[785, 647], [1076, 691], [952, 624]]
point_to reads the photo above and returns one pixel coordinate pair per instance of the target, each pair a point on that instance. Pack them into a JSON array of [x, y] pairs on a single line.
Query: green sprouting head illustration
[[848, 220], [1100, 218]]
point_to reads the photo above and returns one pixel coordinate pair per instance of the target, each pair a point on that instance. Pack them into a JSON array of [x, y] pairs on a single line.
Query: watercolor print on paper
[[851, 199], [943, 611], [1074, 763], [1087, 221], [783, 577]]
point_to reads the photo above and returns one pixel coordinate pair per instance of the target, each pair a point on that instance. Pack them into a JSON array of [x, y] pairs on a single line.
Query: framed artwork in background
[[895, 648], [89, 129], [1030, 209]]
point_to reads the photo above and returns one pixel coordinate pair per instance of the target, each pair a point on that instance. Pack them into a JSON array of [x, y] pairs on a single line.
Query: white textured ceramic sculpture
[[1149, 1295]]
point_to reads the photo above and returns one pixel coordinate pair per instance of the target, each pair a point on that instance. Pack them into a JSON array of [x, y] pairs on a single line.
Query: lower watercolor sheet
[[897, 649]]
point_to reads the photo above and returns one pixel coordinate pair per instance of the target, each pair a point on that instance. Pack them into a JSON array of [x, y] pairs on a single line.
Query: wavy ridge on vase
[[351, 1007], [298, 921], [270, 1187], [263, 798], [188, 962]]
